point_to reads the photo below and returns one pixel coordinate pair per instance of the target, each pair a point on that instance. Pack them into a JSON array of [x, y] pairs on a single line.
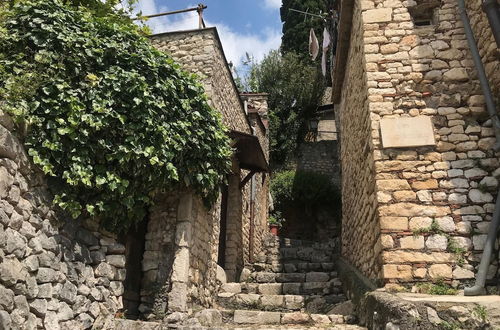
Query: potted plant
[[275, 222]]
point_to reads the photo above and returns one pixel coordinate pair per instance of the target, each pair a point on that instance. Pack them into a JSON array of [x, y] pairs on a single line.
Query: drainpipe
[[478, 288], [492, 10]]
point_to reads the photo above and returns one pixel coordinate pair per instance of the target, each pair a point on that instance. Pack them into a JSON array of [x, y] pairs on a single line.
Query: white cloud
[[235, 44], [272, 4]]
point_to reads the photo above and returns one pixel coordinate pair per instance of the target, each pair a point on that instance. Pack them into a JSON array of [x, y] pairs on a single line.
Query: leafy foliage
[[302, 188], [110, 119], [295, 90], [437, 288]]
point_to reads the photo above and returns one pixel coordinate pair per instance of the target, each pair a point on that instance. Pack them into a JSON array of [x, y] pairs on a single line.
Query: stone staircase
[[291, 283]]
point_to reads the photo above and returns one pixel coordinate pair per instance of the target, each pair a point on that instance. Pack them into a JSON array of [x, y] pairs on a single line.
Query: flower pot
[[274, 229]]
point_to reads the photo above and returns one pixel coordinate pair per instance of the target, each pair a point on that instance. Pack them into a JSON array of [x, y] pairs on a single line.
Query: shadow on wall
[[308, 203]]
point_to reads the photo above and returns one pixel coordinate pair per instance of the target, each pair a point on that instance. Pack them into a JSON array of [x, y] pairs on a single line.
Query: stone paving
[[292, 284]]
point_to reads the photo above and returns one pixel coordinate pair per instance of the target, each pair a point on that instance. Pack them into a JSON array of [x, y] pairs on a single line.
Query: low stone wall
[[55, 273], [158, 257], [381, 310]]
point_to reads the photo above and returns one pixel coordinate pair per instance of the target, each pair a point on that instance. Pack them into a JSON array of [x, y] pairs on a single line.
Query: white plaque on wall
[[404, 132]]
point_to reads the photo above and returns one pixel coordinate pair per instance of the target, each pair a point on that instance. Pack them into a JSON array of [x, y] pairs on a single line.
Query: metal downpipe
[[478, 288], [492, 11]]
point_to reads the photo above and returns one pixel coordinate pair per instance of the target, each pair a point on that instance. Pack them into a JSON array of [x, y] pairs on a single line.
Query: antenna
[[198, 9]]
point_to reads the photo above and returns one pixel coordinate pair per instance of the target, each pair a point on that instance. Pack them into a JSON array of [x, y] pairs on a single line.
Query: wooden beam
[[246, 179]]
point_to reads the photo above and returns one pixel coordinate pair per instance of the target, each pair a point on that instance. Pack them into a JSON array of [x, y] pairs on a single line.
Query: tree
[[295, 89], [296, 26]]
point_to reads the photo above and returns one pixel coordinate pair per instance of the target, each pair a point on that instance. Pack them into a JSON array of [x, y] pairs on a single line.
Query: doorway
[[221, 261], [134, 241]]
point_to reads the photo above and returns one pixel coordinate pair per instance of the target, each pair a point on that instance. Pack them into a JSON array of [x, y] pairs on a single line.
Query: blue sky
[[252, 26]]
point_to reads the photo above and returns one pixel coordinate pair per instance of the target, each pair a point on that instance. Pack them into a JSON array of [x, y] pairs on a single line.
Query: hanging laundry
[[326, 45], [313, 45]]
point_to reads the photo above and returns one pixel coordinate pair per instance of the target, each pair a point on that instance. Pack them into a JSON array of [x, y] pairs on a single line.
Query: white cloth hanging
[[313, 45], [326, 45]]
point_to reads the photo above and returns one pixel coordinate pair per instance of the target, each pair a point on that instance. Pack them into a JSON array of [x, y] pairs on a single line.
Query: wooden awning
[[249, 152]]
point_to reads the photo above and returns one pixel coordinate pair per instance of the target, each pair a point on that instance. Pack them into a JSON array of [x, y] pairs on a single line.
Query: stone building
[[61, 274], [419, 172]]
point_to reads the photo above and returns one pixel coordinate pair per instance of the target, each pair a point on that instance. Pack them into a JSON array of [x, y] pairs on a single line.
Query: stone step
[[279, 303], [266, 302], [300, 267], [295, 257], [305, 288], [248, 317], [270, 277]]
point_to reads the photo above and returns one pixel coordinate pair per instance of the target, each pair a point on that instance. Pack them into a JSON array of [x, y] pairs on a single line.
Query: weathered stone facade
[[320, 157], [246, 210], [432, 205], [360, 227]]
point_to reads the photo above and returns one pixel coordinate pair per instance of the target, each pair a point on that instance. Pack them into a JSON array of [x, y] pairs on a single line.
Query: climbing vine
[[108, 118]]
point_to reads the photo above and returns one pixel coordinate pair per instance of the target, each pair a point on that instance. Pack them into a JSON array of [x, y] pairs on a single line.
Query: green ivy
[[303, 188], [109, 119]]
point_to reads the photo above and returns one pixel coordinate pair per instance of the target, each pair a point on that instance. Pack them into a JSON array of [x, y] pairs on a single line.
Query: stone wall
[[200, 52], [180, 258], [488, 49], [360, 226], [320, 157], [55, 273], [158, 256], [204, 249], [434, 203]]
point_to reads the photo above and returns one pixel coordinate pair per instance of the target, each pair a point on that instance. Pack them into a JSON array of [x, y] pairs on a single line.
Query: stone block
[[413, 210], [403, 272], [407, 132], [412, 242], [270, 288], [177, 297], [440, 271], [256, 317], [317, 277], [294, 302], [183, 234], [247, 299], [231, 287], [272, 302], [392, 185], [437, 242], [264, 277], [377, 15], [460, 273], [320, 319], [290, 277], [425, 185], [291, 288], [117, 260], [209, 317], [394, 223], [392, 257], [180, 267], [295, 318]]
